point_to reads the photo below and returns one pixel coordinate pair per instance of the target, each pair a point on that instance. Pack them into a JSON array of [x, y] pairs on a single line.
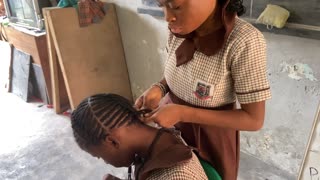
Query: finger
[[139, 102], [149, 119], [151, 113]]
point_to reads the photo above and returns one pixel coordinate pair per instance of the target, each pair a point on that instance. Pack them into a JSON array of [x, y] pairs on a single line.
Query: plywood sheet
[[91, 58], [60, 99], [5, 64], [20, 74]]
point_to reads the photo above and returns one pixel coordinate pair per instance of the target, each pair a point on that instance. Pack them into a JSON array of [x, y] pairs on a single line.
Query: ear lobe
[[112, 141]]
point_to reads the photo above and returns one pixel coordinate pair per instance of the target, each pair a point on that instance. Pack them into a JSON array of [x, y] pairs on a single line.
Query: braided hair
[[234, 6], [97, 115]]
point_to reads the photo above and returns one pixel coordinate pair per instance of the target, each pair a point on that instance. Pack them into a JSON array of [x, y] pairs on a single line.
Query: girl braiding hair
[[214, 61]]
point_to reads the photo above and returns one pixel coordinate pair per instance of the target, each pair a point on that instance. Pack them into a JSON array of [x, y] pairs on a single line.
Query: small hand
[[149, 99], [166, 116]]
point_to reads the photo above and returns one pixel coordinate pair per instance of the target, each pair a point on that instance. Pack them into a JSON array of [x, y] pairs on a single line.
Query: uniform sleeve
[[248, 69]]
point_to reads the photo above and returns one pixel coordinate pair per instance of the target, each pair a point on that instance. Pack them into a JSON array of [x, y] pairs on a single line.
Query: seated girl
[[108, 127]]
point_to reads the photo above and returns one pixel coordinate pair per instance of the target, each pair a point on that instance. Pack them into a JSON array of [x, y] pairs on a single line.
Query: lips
[[175, 29]]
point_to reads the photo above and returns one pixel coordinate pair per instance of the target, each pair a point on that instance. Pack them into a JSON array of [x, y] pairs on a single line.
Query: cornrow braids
[[97, 115]]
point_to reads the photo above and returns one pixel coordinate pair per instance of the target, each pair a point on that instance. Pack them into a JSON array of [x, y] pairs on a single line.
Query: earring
[[138, 159]]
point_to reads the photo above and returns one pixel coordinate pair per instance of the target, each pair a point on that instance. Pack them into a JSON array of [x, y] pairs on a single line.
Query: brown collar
[[175, 153], [209, 44]]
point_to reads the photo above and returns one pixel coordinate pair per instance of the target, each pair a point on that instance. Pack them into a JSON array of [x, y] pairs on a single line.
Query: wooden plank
[[39, 84], [91, 58], [20, 74], [5, 65], [59, 93], [41, 43], [310, 168], [24, 42]]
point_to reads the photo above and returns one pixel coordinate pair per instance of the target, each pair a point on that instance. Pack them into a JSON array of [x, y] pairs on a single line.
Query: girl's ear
[[111, 141]]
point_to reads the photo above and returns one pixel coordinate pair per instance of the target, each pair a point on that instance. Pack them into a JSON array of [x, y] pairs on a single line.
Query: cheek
[[189, 20], [188, 23], [127, 158], [112, 159], [196, 14], [118, 159]]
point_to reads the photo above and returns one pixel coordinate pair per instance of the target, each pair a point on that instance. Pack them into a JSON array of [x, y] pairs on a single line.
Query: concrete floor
[[37, 144]]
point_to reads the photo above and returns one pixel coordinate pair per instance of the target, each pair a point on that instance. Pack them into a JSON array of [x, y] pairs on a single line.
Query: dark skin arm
[[249, 118]]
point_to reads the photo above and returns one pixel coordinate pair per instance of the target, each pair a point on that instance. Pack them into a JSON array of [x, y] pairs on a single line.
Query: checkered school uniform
[[237, 71], [191, 170]]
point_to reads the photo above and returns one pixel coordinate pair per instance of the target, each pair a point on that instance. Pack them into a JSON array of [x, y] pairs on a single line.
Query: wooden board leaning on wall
[[91, 58]]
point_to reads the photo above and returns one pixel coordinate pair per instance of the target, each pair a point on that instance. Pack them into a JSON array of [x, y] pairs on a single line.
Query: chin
[[121, 165], [182, 32]]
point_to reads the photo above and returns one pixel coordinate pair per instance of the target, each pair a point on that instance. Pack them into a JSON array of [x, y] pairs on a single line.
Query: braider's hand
[[149, 99], [166, 116]]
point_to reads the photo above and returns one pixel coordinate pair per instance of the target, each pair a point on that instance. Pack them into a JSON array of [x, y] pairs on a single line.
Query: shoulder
[[184, 171], [245, 34]]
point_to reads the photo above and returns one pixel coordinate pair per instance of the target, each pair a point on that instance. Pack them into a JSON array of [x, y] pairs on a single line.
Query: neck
[[142, 139], [148, 135], [213, 22]]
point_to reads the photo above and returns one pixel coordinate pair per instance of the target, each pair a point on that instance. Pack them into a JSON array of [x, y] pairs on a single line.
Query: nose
[[169, 15]]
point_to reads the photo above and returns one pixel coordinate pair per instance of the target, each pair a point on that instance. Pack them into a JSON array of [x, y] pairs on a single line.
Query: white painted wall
[[289, 114], [144, 39]]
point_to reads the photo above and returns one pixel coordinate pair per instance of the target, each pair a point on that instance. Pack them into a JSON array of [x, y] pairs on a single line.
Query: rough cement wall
[[289, 114], [291, 111]]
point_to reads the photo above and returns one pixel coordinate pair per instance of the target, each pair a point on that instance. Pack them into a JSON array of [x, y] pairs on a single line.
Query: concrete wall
[[289, 114]]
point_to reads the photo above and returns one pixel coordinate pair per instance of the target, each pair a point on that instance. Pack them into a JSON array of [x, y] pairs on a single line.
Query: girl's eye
[[176, 8]]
